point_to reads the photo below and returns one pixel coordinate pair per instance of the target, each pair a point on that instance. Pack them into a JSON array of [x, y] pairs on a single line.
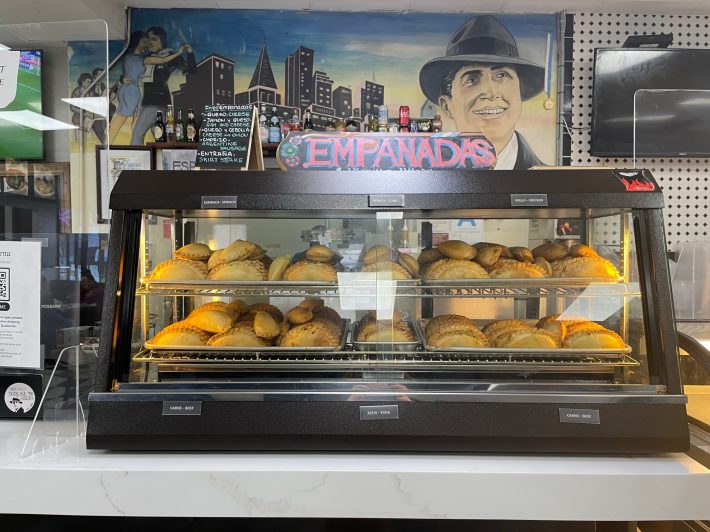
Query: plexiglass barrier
[[54, 119]]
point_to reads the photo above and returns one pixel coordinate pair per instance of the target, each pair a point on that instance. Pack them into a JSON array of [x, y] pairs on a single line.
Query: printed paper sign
[[20, 281], [9, 66]]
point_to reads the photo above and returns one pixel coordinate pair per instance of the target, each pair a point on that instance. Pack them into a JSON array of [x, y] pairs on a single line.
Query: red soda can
[[404, 115]]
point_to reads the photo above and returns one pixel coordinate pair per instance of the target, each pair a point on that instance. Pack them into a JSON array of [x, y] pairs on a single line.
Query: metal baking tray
[[385, 346], [211, 283], [420, 326], [537, 282], [262, 350]]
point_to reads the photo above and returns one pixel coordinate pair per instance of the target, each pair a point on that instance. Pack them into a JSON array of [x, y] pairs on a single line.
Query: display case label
[[219, 202], [368, 413], [528, 200], [182, 408], [386, 200], [579, 415]]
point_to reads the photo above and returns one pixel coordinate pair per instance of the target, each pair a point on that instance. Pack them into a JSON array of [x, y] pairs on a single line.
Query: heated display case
[[349, 311]]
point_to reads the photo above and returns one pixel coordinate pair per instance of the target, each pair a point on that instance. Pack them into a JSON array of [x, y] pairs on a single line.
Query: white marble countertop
[[68, 479]]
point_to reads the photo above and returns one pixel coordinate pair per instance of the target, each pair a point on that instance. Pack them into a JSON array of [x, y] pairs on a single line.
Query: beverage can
[[403, 115]]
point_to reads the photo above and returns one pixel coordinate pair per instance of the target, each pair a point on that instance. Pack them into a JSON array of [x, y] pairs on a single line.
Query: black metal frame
[[634, 423]]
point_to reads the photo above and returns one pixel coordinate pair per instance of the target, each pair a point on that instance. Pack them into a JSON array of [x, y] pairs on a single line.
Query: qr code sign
[[4, 284]]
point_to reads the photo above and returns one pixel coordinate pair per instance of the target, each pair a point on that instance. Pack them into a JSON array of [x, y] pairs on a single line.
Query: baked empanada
[[239, 270], [278, 267], [584, 267], [194, 251], [305, 270], [310, 335], [457, 249], [398, 272], [180, 270], [180, 334], [455, 269], [238, 250]]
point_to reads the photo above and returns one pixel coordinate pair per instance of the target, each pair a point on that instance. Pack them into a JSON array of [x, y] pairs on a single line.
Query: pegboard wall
[[685, 182]]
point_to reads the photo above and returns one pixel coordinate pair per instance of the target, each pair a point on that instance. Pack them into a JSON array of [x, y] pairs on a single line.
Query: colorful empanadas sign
[[385, 151]]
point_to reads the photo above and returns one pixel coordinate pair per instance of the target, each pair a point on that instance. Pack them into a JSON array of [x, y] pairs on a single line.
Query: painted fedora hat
[[482, 39]]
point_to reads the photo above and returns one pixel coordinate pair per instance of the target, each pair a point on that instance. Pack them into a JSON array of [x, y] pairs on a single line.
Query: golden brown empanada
[[584, 267], [550, 251], [379, 253], [306, 270], [239, 270], [388, 267], [319, 253], [238, 250], [527, 338], [194, 251], [180, 334], [180, 270], [212, 317], [310, 335], [241, 335], [586, 338], [512, 269], [457, 249], [265, 326], [489, 255], [409, 263], [455, 269], [278, 267]]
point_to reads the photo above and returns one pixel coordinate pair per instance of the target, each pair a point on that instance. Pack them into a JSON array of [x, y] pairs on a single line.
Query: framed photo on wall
[[110, 163], [51, 182]]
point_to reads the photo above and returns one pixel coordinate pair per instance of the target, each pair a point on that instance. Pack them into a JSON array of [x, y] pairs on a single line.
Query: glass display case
[[441, 311]]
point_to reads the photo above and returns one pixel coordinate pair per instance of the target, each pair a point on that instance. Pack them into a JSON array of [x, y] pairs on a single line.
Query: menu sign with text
[[20, 275], [227, 136]]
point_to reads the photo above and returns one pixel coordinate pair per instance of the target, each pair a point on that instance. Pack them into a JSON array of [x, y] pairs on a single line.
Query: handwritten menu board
[[225, 136]]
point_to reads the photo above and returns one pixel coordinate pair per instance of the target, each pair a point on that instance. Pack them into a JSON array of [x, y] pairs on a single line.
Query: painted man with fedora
[[481, 83]]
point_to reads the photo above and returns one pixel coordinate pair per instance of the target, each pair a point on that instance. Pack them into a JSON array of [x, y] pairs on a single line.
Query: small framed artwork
[[110, 163], [51, 181], [15, 180], [568, 228]]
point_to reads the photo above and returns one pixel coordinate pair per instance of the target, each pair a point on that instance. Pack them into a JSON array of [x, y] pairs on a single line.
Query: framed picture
[[110, 163], [15, 178], [566, 228], [52, 182], [177, 159], [40, 186]]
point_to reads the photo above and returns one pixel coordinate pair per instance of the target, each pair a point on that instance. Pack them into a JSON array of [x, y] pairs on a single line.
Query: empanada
[[527, 338], [238, 250], [409, 263], [397, 272], [180, 270], [512, 269], [212, 317], [455, 269], [241, 335], [457, 249], [593, 339], [278, 267], [180, 334], [379, 253], [239, 270], [584, 267], [194, 251], [305, 270], [489, 255], [319, 253], [310, 335], [550, 251], [265, 326]]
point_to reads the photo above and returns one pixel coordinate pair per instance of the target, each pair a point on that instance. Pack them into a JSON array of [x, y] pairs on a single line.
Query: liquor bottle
[[413, 126], [295, 123], [330, 126], [436, 124], [159, 128], [180, 127], [307, 122], [191, 130], [285, 127], [170, 125], [372, 125], [274, 126], [263, 125], [404, 118], [339, 125], [351, 125], [382, 119]]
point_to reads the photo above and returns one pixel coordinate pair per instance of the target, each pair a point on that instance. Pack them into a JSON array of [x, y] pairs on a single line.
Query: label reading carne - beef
[[225, 136]]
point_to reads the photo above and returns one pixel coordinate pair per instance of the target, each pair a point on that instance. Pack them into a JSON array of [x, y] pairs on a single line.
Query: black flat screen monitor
[[18, 141], [668, 124]]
